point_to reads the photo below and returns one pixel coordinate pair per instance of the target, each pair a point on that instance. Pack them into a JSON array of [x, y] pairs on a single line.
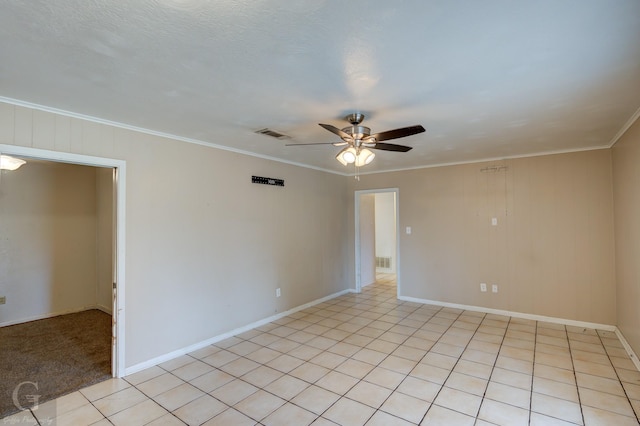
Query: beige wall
[[205, 248], [552, 252], [47, 240], [626, 190]]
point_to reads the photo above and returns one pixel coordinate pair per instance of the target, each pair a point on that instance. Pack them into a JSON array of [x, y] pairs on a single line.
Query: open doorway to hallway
[[377, 248]]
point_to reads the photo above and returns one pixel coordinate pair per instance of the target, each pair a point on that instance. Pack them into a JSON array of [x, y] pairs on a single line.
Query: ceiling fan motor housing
[[357, 132], [355, 118]]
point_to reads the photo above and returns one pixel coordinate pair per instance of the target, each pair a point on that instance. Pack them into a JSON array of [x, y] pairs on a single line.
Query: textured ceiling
[[489, 79]]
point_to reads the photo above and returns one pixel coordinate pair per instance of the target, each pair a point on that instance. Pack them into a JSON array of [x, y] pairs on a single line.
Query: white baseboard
[[191, 348], [50, 315], [554, 320], [627, 347], [105, 309]]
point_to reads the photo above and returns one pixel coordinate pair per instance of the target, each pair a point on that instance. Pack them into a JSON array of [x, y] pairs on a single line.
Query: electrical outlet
[[3, 300], [494, 221], [483, 286], [278, 292], [494, 288]]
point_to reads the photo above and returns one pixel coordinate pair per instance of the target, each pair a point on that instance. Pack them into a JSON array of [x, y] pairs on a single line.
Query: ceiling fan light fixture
[[347, 156], [359, 139], [10, 163], [365, 157]]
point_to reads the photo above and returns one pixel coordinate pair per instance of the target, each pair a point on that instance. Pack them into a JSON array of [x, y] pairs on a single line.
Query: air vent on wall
[[383, 262], [272, 133]]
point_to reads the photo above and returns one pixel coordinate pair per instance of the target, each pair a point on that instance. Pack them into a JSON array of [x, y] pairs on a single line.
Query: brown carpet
[[60, 354]]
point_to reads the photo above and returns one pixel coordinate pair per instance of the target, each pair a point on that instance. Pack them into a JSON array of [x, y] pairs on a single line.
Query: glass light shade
[[347, 156], [364, 157], [10, 163]]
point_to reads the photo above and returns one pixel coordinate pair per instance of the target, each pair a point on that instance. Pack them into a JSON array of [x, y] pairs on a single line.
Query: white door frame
[[396, 191], [118, 367]]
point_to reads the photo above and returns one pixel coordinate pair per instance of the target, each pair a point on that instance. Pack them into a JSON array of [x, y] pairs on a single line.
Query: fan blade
[[341, 143], [318, 143], [333, 129], [392, 147], [398, 133]]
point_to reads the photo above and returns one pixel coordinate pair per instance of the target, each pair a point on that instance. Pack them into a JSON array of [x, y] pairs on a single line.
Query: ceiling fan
[[357, 139]]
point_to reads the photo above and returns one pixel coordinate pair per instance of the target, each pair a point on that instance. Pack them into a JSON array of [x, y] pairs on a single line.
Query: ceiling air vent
[[272, 133]]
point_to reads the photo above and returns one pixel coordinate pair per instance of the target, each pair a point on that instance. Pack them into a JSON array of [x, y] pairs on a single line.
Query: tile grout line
[[407, 375], [300, 344], [533, 370], [153, 398], [573, 368], [618, 377], [452, 367], [493, 367], [377, 365], [355, 384], [389, 354]]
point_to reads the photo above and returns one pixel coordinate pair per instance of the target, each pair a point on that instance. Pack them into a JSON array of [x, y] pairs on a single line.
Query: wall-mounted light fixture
[[10, 163]]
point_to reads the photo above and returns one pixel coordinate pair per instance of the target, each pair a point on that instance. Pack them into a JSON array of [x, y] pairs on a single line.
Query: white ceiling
[[487, 79]]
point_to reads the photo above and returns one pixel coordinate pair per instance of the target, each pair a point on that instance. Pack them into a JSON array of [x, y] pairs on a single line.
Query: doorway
[[117, 176], [377, 248]]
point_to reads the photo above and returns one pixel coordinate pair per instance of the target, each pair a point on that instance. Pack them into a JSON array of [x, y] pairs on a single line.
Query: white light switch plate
[[408, 230]]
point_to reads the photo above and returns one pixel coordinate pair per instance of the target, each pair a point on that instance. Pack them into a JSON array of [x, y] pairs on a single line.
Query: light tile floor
[[371, 359]]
